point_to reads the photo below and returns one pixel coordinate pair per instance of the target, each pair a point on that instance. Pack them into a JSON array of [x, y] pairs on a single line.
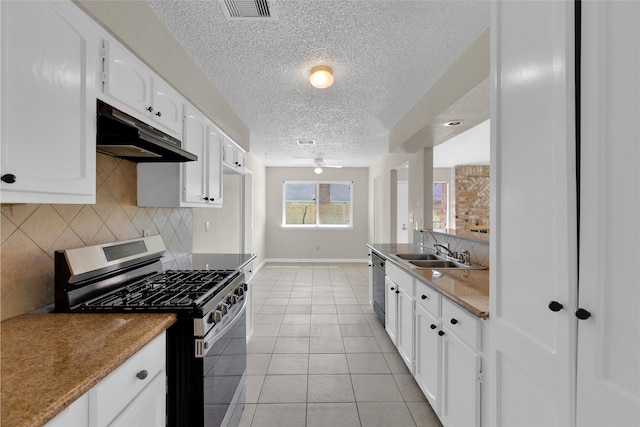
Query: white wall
[[259, 215], [224, 232], [296, 244]]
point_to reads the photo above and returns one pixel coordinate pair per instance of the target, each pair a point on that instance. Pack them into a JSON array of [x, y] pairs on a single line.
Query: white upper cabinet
[[233, 157], [187, 184], [50, 58], [133, 87], [203, 178]]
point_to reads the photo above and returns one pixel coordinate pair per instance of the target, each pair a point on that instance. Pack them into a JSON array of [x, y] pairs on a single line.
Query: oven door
[[225, 365]]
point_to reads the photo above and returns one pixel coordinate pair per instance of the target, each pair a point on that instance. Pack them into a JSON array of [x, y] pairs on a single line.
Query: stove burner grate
[[171, 288]]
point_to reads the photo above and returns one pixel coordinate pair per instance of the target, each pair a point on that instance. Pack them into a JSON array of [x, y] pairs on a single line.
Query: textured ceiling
[[385, 55]]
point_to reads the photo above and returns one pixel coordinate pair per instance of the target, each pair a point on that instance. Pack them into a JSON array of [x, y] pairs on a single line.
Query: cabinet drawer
[[461, 323], [428, 298], [118, 389], [400, 278]]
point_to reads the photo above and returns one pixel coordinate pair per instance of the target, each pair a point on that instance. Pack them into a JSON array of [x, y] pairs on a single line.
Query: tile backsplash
[[31, 233]]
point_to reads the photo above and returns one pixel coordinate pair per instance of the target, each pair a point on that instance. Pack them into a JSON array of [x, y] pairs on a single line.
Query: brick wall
[[471, 203]]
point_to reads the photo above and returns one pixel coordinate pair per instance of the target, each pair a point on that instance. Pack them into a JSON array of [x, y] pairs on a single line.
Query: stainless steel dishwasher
[[378, 285]]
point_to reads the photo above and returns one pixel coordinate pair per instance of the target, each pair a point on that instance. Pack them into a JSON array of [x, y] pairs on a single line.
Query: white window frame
[[448, 216], [317, 225]]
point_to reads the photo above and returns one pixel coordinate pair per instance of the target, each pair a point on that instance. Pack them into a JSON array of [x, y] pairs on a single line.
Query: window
[[311, 204], [440, 205]]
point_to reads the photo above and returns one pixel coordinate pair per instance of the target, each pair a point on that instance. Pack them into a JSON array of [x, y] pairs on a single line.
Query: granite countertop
[[50, 360], [467, 288]]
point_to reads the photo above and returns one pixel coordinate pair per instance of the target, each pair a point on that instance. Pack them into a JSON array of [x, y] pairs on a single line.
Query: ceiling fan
[[319, 162]]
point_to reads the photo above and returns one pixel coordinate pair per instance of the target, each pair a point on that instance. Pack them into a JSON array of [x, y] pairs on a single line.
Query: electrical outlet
[[146, 233]]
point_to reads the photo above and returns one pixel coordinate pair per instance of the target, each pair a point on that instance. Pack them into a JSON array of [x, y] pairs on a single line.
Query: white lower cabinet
[[391, 310], [77, 414], [149, 408], [441, 344], [132, 395], [399, 311], [427, 366], [460, 383], [405, 326]]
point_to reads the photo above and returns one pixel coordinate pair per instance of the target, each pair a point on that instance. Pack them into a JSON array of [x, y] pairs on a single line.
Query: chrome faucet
[[423, 232], [465, 257], [439, 246]]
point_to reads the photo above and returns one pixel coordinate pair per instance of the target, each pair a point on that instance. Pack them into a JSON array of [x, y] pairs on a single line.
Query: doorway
[[402, 211]]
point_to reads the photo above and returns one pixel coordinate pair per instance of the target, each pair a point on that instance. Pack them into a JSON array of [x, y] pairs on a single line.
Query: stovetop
[[171, 289]]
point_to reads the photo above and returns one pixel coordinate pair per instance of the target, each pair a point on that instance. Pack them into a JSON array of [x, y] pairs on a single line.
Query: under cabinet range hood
[[124, 136]]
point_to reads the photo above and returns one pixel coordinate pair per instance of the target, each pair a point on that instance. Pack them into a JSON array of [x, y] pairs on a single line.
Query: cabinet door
[[240, 158], [390, 314], [214, 166], [405, 327], [608, 383], [229, 153], [195, 173], [460, 392], [48, 103], [128, 81], [427, 365], [532, 349], [148, 409], [167, 107], [76, 415]]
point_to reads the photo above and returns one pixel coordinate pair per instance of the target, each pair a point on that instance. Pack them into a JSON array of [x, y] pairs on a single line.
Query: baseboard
[[315, 261]]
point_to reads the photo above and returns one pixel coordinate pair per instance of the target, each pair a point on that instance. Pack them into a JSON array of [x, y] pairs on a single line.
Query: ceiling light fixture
[[321, 77], [453, 123], [318, 170]]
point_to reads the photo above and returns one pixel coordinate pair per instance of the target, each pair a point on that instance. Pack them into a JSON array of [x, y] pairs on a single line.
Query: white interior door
[[608, 391], [402, 206]]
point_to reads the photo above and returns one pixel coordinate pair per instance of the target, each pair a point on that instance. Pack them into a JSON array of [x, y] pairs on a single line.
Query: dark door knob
[[9, 178], [393, 288], [423, 297], [158, 114], [454, 321], [555, 306], [397, 292], [582, 314], [433, 326], [441, 333], [142, 374], [150, 109]]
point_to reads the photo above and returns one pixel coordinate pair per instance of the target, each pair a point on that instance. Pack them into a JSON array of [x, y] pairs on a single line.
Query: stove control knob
[[215, 317], [239, 291], [232, 299], [223, 308]]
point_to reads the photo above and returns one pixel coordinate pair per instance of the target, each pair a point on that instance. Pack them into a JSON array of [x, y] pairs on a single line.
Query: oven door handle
[[203, 345]]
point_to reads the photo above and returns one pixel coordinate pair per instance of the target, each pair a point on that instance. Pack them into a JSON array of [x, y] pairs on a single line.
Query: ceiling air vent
[[248, 9], [306, 142]]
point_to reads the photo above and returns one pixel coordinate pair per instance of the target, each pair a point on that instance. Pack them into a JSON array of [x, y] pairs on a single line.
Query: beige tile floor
[[320, 357]]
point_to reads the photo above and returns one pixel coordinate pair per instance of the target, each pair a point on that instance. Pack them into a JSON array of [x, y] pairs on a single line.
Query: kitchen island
[[50, 360]]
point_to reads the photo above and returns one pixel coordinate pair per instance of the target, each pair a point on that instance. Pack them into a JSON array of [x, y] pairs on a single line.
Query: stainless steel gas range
[[206, 347]]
